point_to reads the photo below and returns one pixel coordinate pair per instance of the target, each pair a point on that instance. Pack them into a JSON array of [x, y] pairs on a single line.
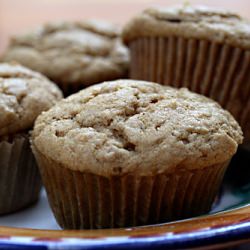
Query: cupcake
[[127, 153], [203, 49], [72, 54], [24, 94]]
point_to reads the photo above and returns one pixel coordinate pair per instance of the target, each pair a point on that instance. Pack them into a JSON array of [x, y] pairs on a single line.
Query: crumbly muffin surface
[[24, 94], [68, 53], [134, 126], [198, 22]]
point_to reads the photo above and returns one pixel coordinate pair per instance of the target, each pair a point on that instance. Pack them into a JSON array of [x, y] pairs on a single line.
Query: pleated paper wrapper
[[81, 200], [20, 181]]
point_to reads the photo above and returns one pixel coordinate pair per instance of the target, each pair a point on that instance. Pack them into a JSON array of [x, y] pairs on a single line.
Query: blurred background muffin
[[204, 49], [72, 54], [24, 94], [128, 153]]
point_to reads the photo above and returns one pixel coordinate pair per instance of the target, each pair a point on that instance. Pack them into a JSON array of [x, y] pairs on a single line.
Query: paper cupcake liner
[[83, 200], [20, 181], [219, 71]]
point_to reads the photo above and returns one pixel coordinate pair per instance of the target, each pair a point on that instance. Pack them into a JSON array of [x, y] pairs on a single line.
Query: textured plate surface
[[228, 224]]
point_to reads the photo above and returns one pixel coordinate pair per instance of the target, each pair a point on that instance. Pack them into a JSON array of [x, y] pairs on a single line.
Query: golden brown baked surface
[[85, 52], [24, 94], [198, 22], [135, 126]]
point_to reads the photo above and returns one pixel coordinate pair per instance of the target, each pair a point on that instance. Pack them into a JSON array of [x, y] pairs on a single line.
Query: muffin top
[[72, 52], [198, 22], [24, 94], [135, 126]]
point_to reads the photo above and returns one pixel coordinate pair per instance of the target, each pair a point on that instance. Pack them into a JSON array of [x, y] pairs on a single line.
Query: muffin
[[203, 49], [128, 153], [24, 94], [72, 54]]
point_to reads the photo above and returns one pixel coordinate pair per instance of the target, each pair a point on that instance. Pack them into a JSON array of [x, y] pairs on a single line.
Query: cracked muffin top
[[135, 126], [24, 94], [198, 22], [72, 52]]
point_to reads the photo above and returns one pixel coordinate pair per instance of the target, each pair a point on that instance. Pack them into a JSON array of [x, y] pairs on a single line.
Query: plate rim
[[199, 231]]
